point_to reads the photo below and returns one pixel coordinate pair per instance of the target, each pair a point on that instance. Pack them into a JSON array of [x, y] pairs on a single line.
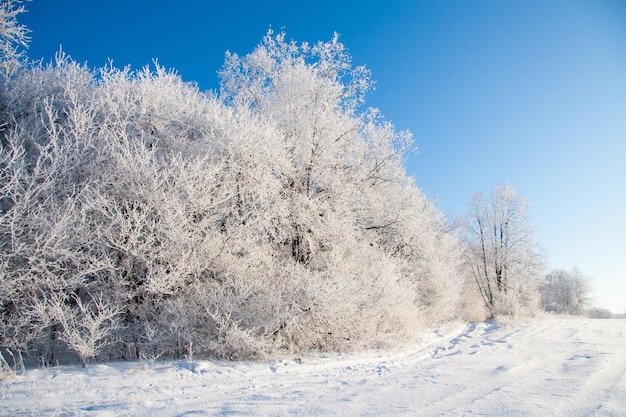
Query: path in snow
[[561, 367]]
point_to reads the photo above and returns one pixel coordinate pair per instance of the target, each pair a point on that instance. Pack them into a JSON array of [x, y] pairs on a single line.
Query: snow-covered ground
[[559, 367]]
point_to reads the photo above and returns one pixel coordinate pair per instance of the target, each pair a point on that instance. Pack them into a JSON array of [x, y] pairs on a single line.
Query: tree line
[[142, 218]]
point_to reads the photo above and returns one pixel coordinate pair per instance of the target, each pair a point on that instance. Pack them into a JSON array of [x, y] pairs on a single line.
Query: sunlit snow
[[560, 367]]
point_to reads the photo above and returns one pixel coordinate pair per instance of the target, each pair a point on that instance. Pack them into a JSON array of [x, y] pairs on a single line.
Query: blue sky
[[532, 92]]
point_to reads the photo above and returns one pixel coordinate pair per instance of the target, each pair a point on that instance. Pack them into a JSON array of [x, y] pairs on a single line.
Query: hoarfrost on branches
[[503, 255], [143, 218]]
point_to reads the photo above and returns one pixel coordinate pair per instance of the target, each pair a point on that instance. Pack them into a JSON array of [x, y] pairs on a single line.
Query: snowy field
[[560, 367]]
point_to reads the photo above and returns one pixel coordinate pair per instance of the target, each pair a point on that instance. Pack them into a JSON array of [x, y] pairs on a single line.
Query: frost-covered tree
[[599, 313], [136, 209], [566, 292], [46, 245], [503, 254], [14, 37], [342, 176]]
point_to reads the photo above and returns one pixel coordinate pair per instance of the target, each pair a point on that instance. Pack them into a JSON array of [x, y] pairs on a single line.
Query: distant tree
[[566, 292], [502, 253], [599, 313]]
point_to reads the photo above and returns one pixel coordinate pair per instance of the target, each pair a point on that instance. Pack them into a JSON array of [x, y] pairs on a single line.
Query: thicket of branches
[[140, 217]]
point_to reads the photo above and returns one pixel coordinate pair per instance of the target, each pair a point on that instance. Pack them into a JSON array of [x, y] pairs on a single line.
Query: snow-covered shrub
[[143, 218]]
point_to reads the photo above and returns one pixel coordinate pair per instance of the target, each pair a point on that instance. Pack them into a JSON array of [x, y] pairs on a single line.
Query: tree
[[345, 193], [566, 292], [140, 217], [599, 313], [14, 37], [502, 253]]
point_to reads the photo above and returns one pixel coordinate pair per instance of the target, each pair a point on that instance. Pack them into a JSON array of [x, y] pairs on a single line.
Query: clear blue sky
[[532, 92]]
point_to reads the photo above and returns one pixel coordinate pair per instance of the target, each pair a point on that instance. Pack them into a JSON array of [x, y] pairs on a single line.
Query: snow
[[564, 367]]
